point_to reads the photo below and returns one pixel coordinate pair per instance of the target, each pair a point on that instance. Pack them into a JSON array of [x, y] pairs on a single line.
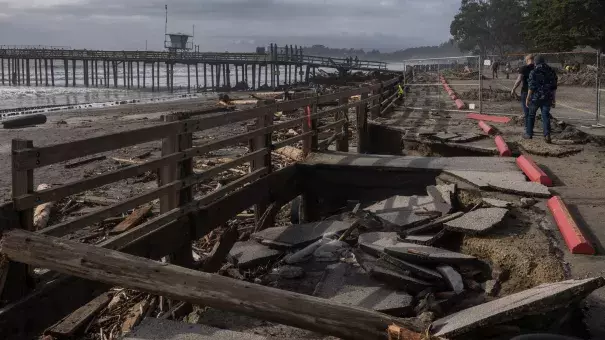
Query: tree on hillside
[[489, 26], [562, 25]]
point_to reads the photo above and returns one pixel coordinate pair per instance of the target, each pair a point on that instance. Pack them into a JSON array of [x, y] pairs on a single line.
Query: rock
[[350, 285], [250, 254], [496, 203], [398, 280], [288, 272], [492, 287], [299, 235], [453, 278], [539, 300], [331, 251], [528, 202], [423, 254], [427, 317], [478, 221]]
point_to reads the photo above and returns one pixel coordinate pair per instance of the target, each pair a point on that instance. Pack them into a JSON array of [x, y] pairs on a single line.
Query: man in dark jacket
[[523, 81], [541, 95]]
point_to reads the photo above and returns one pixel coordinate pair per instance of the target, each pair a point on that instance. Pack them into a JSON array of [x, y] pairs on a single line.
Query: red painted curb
[[533, 171], [574, 239], [488, 118], [502, 147], [460, 104], [488, 129], [453, 96]]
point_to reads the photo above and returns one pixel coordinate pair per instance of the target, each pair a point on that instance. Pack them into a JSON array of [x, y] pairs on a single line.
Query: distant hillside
[[444, 50]]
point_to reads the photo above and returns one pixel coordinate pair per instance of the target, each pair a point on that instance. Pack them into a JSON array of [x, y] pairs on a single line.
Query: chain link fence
[[427, 82]]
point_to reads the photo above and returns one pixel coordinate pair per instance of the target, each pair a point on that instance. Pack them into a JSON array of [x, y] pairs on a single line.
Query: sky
[[227, 25]]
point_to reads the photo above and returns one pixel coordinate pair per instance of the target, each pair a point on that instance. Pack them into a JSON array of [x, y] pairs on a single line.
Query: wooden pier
[[156, 70]]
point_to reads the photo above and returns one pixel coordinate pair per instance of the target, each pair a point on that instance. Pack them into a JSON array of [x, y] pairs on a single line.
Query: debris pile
[[489, 94], [585, 77]]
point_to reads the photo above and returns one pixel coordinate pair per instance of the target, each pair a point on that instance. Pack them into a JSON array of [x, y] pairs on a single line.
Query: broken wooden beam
[[75, 321], [116, 268], [132, 220]]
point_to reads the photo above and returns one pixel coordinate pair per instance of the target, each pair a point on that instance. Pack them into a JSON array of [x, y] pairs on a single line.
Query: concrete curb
[[488, 118], [533, 171], [574, 239], [488, 129], [502, 147]]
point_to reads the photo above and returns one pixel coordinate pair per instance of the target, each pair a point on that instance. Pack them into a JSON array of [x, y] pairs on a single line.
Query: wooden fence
[[183, 217]]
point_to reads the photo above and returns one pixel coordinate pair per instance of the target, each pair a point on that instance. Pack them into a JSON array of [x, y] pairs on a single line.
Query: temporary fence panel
[[449, 83]]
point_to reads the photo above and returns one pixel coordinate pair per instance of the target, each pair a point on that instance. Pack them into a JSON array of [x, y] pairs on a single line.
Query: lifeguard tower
[[176, 42]]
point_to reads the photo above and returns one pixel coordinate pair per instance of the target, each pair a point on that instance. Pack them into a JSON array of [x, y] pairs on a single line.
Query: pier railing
[[185, 57], [184, 217]]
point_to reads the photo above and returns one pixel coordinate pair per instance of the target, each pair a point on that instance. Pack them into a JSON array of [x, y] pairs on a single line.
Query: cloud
[[228, 24]]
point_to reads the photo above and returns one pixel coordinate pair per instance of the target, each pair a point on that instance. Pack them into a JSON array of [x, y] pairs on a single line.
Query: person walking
[[495, 69], [523, 78], [541, 95]]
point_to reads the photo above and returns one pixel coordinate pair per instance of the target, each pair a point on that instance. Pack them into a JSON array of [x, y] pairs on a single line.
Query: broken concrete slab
[[425, 240], [331, 251], [424, 254], [425, 273], [512, 182], [432, 226], [448, 192], [351, 285], [453, 278], [466, 138], [398, 280], [397, 203], [299, 235], [444, 136], [539, 148], [532, 189], [541, 299], [481, 179], [250, 254], [440, 203], [160, 329], [478, 221], [496, 203], [405, 218]]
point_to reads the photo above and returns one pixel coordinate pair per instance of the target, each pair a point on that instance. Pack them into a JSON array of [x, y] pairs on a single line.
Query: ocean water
[[14, 98]]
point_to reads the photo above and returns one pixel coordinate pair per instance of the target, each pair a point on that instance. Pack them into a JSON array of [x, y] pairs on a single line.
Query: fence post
[[480, 68], [15, 278], [170, 173], [342, 144], [362, 124], [256, 144], [599, 65]]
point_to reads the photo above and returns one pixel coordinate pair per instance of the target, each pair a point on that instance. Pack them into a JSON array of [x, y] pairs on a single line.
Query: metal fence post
[[598, 123], [480, 67]]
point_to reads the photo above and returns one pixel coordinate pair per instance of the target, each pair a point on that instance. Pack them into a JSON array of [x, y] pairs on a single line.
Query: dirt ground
[[575, 163]]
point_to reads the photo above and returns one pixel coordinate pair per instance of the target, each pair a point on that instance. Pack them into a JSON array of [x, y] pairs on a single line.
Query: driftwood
[[291, 152], [23, 121], [132, 220], [84, 161], [135, 315], [116, 268], [42, 212]]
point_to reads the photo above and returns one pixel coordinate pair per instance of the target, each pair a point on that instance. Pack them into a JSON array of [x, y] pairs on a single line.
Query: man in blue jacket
[[541, 95]]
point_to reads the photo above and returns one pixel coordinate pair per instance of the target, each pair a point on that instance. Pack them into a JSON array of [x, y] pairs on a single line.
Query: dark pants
[[531, 119]]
